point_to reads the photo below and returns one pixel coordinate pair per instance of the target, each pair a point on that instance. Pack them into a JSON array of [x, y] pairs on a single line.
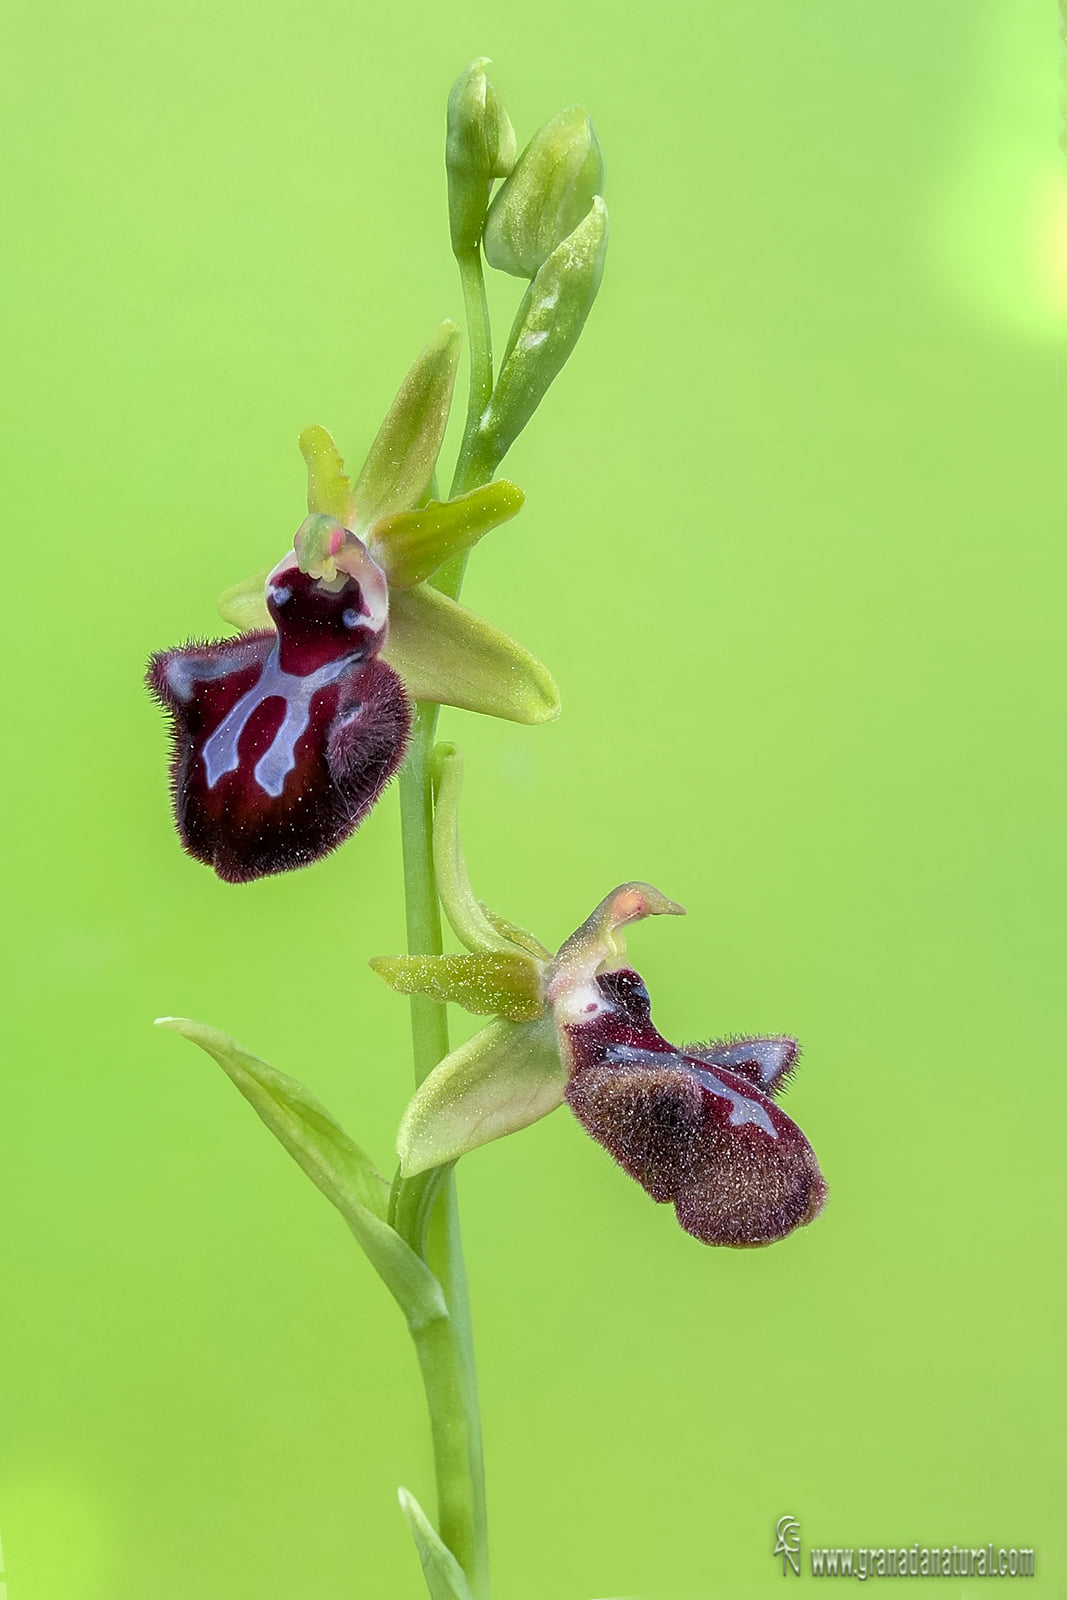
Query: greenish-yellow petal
[[467, 917], [486, 982], [413, 544], [329, 491]]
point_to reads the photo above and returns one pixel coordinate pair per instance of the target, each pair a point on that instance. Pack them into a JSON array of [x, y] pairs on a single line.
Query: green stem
[[446, 1358], [425, 1209], [429, 1019], [470, 470]]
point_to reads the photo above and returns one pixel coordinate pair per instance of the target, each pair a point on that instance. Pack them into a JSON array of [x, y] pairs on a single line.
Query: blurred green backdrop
[[793, 547]]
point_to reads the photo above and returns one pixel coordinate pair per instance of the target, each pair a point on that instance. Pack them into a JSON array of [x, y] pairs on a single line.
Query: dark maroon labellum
[[695, 1127], [282, 741]]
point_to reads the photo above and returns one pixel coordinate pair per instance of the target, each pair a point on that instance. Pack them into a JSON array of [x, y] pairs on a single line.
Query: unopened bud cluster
[[546, 223]]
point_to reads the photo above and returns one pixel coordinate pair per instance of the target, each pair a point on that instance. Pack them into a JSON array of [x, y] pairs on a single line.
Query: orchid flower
[[284, 737], [697, 1125]]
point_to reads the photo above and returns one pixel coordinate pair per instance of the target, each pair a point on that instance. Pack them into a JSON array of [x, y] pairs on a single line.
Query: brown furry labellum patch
[[282, 742], [696, 1126]]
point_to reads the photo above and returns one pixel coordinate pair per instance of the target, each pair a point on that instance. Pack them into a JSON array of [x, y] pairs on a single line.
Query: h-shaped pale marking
[[278, 760]]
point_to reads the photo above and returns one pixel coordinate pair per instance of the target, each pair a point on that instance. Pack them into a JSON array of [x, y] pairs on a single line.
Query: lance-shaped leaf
[[244, 605], [488, 983], [403, 456], [413, 544], [444, 1576], [333, 1162], [509, 1075], [447, 654], [546, 329], [329, 491]]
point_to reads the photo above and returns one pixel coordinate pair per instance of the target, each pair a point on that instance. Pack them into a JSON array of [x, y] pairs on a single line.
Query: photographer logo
[[787, 1543]]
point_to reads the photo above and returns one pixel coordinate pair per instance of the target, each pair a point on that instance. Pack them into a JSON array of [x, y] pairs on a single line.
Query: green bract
[[550, 189], [445, 1578], [479, 146], [444, 652]]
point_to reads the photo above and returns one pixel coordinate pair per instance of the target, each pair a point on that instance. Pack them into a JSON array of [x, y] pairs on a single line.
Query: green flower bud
[[479, 146], [550, 190], [546, 330]]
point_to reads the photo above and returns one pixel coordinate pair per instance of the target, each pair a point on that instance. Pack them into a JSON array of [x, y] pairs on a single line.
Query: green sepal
[[333, 1162], [445, 1578], [467, 917], [503, 1079], [413, 544], [402, 458], [447, 654], [244, 605], [549, 190], [486, 982], [329, 491], [546, 329]]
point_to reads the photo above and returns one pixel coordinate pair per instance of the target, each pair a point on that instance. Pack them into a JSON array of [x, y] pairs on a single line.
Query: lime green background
[[794, 549]]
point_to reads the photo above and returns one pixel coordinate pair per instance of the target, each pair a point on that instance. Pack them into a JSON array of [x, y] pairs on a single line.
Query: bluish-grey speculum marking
[[742, 1108], [220, 751], [185, 671], [771, 1056]]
